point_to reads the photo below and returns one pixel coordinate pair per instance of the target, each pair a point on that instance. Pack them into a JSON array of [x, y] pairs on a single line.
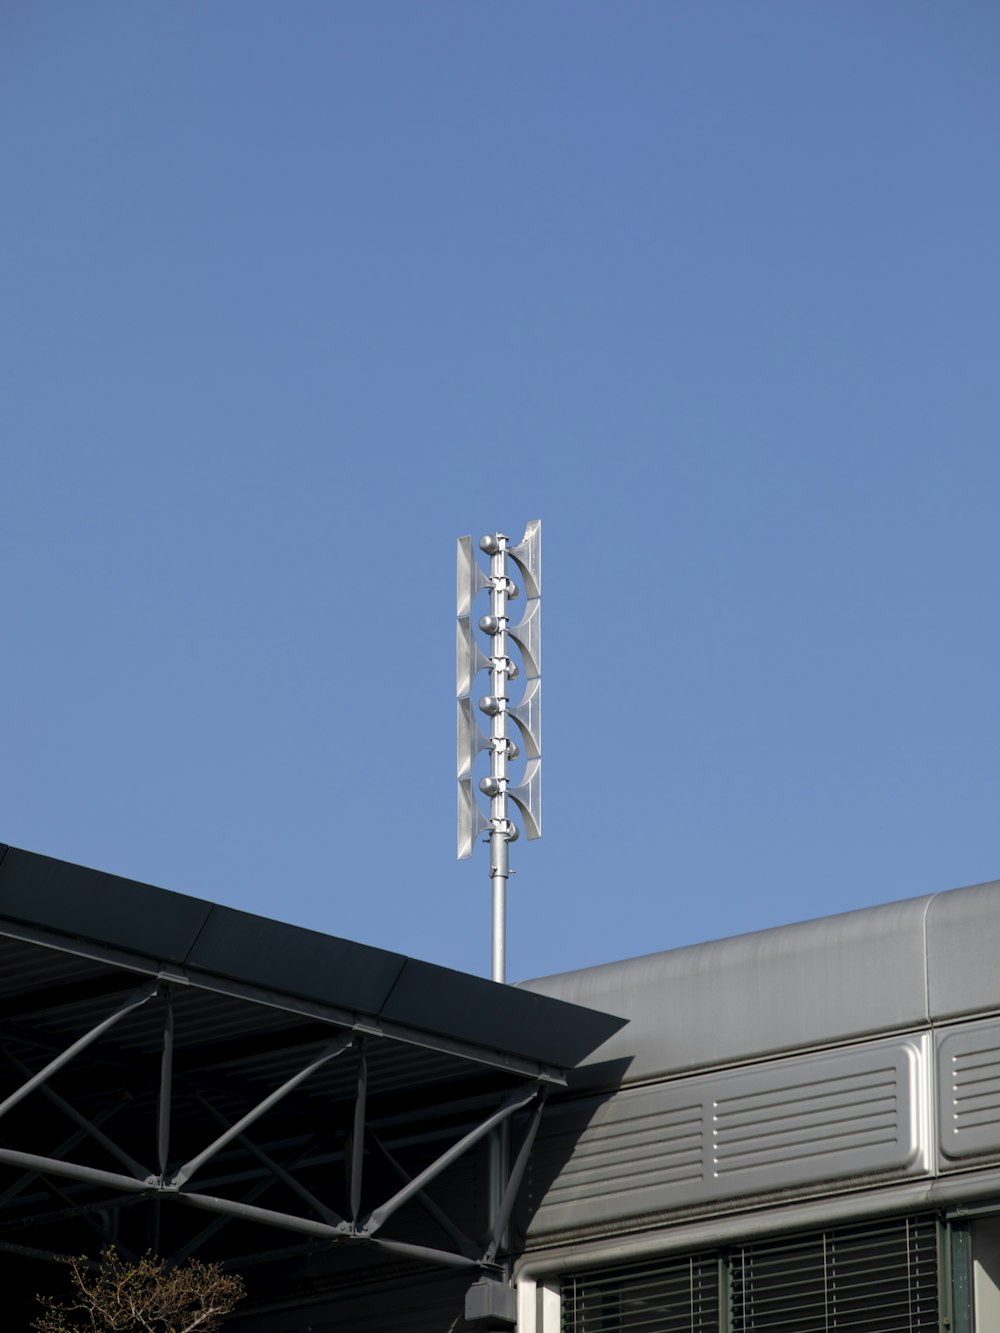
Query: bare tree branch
[[141, 1297]]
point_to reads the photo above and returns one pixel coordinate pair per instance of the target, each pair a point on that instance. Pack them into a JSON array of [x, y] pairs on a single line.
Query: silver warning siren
[[497, 706]]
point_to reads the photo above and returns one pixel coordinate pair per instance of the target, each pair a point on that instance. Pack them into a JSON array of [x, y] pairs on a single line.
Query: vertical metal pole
[[498, 759], [358, 1136], [498, 1150], [165, 1101], [498, 1171]]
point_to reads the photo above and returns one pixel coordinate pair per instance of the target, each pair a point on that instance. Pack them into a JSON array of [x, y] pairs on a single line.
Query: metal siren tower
[[496, 705]]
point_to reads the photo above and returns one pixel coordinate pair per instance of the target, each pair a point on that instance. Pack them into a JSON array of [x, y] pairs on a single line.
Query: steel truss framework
[[227, 1149]]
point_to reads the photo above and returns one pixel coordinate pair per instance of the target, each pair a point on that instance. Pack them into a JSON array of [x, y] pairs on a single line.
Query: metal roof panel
[[295, 960], [90, 904], [221, 942]]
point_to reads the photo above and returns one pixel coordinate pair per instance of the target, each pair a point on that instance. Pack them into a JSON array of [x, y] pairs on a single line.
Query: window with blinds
[[878, 1277], [665, 1296]]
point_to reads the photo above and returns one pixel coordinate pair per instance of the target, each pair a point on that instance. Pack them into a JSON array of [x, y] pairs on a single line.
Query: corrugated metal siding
[[969, 1092], [855, 1113], [616, 1156]]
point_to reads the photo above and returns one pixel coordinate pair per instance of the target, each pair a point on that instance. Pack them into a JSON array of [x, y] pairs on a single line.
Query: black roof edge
[[174, 928]]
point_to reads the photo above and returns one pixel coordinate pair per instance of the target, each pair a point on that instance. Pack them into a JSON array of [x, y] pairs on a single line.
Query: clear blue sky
[[293, 295]]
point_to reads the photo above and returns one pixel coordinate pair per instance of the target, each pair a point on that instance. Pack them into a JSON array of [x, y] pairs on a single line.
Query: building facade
[[790, 1131], [797, 1130]]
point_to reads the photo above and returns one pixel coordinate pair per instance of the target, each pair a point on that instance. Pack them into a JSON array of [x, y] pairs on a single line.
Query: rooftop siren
[[496, 706]]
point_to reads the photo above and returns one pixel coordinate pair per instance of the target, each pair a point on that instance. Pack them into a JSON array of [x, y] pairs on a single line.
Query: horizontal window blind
[[879, 1277], [665, 1296]]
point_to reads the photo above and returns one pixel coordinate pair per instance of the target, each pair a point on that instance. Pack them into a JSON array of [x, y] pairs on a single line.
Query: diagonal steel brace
[[276, 1169], [512, 1103], [88, 1126], [189, 1168], [223, 1219], [138, 997], [514, 1183], [66, 1146], [465, 1245]]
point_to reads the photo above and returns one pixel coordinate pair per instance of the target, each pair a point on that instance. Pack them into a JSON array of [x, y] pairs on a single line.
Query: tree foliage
[[144, 1296]]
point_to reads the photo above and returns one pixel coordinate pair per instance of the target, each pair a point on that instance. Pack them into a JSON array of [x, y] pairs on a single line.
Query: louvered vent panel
[[969, 1091], [665, 1296], [647, 1150], [618, 1156], [804, 1119], [878, 1278], [799, 1122]]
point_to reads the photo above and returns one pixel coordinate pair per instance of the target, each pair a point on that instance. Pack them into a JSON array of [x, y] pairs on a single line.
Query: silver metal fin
[[527, 555], [528, 716], [470, 577], [528, 795], [528, 637], [471, 820], [469, 657], [469, 738]]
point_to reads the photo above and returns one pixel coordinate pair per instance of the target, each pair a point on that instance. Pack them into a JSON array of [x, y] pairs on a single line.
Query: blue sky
[[291, 296]]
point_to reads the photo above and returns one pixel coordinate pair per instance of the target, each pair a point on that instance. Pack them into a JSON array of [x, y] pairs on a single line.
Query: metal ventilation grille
[[806, 1120], [969, 1091], [663, 1296], [881, 1278], [976, 1085], [619, 1154]]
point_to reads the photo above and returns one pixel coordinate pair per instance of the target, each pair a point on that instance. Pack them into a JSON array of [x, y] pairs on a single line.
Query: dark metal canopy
[[191, 1078]]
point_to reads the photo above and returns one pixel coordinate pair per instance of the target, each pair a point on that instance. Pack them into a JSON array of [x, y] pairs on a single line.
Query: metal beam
[[261, 1187], [95, 1226], [358, 1138], [44, 1000], [277, 1170], [166, 1087], [231, 1052], [246, 1211], [194, 979], [234, 1208], [189, 1168], [308, 1227], [465, 1245], [91, 1175], [88, 1126], [267, 1216], [24, 1035], [135, 999], [514, 1183], [422, 1252], [511, 1104], [64, 1147]]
